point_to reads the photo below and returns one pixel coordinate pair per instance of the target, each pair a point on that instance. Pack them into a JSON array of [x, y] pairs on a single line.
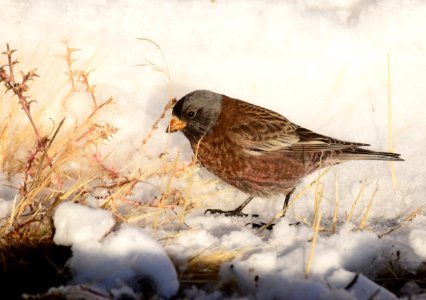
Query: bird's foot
[[270, 226], [260, 225], [228, 213]]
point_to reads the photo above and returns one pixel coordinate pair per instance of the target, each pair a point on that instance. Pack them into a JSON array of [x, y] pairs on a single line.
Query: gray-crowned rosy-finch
[[256, 150]]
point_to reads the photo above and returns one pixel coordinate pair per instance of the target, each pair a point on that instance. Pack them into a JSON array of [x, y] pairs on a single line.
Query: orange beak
[[175, 124]]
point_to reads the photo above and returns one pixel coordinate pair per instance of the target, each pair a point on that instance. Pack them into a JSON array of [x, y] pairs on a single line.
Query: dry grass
[[39, 162], [204, 268]]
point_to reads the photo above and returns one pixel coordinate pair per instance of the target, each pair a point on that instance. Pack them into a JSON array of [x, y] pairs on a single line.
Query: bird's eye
[[191, 114]]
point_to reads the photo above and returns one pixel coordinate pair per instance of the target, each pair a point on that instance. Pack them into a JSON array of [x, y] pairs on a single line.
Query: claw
[[260, 225], [227, 213]]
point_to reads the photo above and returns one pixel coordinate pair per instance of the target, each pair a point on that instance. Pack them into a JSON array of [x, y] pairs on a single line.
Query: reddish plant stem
[[18, 90]]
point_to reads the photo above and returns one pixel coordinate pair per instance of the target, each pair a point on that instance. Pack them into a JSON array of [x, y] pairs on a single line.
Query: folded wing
[[263, 132]]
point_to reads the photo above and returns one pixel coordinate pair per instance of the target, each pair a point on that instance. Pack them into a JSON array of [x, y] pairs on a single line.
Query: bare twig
[[70, 61], [154, 126], [84, 77], [19, 88]]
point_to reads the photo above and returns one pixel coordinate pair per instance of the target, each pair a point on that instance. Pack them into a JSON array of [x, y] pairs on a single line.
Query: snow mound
[[418, 242], [76, 223], [126, 257]]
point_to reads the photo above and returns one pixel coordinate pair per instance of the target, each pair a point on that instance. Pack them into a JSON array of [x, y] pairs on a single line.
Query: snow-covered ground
[[322, 64]]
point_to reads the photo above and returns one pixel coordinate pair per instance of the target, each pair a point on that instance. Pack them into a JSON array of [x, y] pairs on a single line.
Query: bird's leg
[[271, 226], [238, 212], [287, 199]]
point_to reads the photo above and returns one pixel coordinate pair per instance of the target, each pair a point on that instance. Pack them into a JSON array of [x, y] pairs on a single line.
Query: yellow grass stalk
[[318, 200], [12, 214], [316, 229], [361, 191], [413, 214], [318, 195], [363, 223], [336, 206], [408, 218], [392, 163]]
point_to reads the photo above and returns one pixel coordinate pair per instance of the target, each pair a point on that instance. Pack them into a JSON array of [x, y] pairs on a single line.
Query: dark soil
[[32, 268]]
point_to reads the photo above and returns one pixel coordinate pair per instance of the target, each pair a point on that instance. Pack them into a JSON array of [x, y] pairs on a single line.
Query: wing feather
[[262, 131]]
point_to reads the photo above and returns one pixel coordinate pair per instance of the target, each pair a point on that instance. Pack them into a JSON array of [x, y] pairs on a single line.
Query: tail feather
[[364, 154]]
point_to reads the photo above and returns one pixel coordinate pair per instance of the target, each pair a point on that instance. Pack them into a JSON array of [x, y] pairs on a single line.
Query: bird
[[256, 150]]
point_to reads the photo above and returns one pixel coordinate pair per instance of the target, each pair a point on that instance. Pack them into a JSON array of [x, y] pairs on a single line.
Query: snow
[[76, 224], [362, 288], [418, 242], [322, 64], [125, 257]]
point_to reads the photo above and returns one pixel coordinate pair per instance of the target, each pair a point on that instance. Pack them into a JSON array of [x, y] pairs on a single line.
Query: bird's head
[[195, 114]]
